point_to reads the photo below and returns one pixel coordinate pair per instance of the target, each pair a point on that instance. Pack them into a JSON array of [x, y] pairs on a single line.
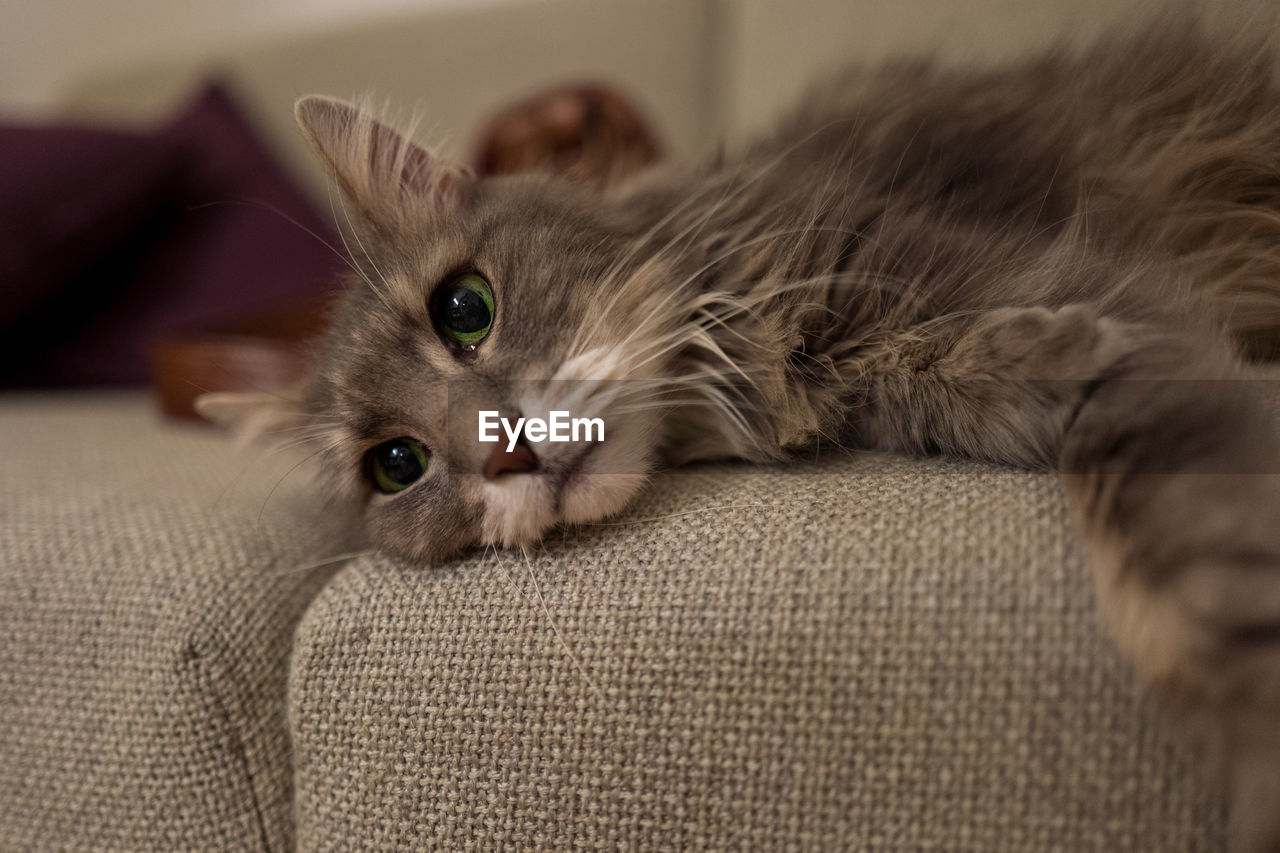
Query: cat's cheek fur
[[432, 521], [611, 476]]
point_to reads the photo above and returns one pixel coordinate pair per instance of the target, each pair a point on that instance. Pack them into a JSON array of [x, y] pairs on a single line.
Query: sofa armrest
[[867, 653], [148, 595]]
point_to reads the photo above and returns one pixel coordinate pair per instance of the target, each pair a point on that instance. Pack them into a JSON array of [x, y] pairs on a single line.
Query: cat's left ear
[[256, 417], [387, 177]]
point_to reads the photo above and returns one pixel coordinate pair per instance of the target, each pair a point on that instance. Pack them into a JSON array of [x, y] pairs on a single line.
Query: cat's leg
[[1171, 465], [1175, 483], [999, 385]]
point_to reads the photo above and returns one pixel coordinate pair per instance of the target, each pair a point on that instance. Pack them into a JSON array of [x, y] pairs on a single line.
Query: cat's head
[[521, 295]]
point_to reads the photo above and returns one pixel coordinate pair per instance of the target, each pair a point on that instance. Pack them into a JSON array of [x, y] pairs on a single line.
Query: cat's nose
[[519, 460]]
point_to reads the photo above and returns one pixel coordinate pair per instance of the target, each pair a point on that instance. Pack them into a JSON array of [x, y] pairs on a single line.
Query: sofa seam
[[222, 664], [238, 746]]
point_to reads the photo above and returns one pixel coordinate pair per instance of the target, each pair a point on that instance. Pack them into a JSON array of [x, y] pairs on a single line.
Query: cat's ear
[[386, 176], [256, 417]]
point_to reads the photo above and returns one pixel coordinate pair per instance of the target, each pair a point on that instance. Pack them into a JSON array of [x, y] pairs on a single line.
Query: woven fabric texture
[[147, 602], [866, 654]]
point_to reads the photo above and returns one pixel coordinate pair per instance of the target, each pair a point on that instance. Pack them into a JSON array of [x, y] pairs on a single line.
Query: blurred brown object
[[269, 352], [586, 133]]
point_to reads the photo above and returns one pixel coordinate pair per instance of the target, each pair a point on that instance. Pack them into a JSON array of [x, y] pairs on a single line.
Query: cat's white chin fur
[[519, 509]]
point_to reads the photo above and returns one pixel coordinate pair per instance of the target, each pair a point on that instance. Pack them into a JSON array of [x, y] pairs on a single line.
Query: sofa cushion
[[148, 593], [869, 653]]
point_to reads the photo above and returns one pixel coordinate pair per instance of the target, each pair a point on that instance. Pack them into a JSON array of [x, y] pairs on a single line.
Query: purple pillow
[[201, 227], [68, 196]]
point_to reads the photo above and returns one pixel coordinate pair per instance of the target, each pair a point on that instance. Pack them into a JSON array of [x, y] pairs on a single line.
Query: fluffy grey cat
[[1062, 264]]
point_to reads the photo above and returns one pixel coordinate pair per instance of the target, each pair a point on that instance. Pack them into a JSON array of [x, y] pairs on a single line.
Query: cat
[[1060, 264]]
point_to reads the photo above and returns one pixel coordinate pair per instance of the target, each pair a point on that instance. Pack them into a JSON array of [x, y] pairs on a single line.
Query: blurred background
[[153, 187]]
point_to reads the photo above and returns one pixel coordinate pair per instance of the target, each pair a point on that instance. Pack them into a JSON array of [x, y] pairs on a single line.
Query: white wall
[[703, 67], [452, 67], [774, 48], [47, 44]]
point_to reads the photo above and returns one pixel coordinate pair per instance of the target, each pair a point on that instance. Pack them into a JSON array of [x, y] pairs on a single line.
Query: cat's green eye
[[395, 465], [464, 309]]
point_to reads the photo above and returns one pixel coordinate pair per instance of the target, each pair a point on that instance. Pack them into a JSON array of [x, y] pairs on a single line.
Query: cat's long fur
[[1058, 264]]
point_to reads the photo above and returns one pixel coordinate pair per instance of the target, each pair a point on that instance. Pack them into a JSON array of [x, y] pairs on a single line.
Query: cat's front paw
[[1042, 343]]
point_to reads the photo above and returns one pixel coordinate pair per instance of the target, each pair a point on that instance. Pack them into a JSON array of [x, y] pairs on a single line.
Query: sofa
[[857, 652], [850, 652]]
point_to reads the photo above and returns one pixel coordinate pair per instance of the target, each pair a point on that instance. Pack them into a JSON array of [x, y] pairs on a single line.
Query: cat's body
[[1054, 265], [1141, 180]]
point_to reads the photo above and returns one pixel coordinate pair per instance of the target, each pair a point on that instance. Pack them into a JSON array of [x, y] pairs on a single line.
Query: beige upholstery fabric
[[145, 622], [874, 654], [869, 653]]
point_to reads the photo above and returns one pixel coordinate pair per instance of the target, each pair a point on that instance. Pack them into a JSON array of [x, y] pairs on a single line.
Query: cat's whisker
[[273, 435], [231, 484], [761, 296], [325, 562], [642, 327], [701, 300], [492, 548], [342, 234], [608, 280], [767, 237], [355, 233], [303, 461], [568, 650], [697, 333], [627, 522], [270, 208], [640, 407], [729, 191]]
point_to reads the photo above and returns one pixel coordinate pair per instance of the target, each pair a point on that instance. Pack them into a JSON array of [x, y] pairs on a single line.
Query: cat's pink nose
[[519, 460]]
